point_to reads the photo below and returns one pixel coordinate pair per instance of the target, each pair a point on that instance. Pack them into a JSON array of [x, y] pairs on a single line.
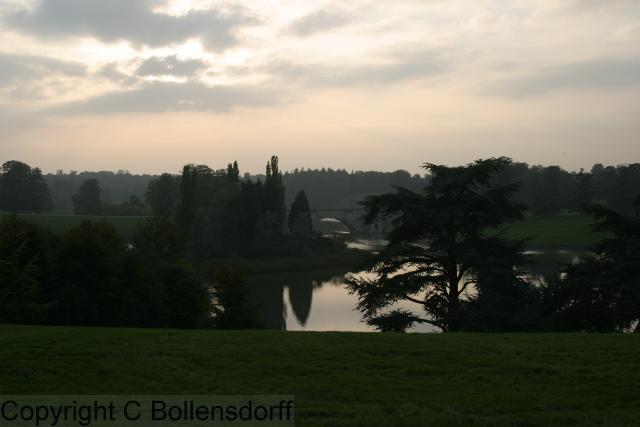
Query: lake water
[[317, 300]]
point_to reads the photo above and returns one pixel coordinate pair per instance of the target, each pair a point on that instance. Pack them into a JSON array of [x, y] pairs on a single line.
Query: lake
[[317, 300]]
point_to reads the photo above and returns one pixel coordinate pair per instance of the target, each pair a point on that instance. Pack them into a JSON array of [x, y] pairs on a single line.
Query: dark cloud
[[131, 20], [111, 72], [317, 22], [24, 68], [601, 73], [400, 67], [168, 96], [170, 65]]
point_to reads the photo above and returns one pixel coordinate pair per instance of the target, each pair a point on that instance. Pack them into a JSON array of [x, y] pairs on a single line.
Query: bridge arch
[[350, 218]]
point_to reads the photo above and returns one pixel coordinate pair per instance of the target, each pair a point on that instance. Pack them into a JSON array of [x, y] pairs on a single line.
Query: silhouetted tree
[[24, 266], [602, 292], [186, 215], [300, 216], [439, 244], [87, 200], [504, 299], [162, 195], [274, 200], [582, 191], [397, 320], [271, 221], [23, 189], [90, 286], [232, 309], [233, 172]]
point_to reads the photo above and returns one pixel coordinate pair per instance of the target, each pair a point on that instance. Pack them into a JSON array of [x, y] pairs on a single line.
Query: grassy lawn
[[345, 379], [565, 230], [560, 231], [125, 225]]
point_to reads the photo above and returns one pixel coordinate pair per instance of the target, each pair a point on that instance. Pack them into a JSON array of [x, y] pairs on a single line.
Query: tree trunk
[[454, 320]]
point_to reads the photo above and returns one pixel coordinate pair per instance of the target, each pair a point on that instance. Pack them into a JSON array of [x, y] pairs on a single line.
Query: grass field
[[553, 231], [567, 230], [345, 379]]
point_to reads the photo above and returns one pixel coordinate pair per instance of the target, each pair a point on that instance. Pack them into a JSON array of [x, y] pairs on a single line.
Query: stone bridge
[[351, 219]]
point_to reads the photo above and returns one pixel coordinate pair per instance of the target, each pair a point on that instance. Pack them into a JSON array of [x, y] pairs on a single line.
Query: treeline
[[544, 189], [89, 276], [551, 189], [222, 215], [340, 189], [117, 190]]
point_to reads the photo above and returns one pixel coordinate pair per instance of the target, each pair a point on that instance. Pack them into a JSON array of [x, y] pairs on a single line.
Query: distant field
[[125, 225], [564, 230], [345, 379]]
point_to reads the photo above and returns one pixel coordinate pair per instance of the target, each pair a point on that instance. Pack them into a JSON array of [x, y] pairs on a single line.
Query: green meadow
[[345, 379], [567, 230]]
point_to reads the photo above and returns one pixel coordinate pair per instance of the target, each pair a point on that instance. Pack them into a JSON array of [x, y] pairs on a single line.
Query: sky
[[148, 86]]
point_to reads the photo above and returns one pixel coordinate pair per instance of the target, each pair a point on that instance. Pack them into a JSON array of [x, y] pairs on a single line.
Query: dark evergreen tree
[[25, 253], [233, 172], [232, 308], [300, 216], [90, 287], [602, 292], [274, 189], [188, 197], [450, 219], [87, 201]]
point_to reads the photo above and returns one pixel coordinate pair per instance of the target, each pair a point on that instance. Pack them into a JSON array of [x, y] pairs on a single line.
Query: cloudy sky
[[366, 84]]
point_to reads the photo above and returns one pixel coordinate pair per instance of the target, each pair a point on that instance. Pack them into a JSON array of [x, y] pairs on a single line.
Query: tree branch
[[417, 301]]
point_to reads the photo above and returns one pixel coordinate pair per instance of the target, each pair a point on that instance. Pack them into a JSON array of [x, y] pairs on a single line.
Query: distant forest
[[544, 189], [177, 268]]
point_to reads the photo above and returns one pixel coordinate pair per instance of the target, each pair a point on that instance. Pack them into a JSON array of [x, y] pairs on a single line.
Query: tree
[[271, 221], [300, 216], [23, 269], [23, 189], [582, 191], [504, 299], [274, 189], [232, 309], [439, 244], [188, 201], [602, 292], [87, 200], [169, 292], [300, 226], [89, 284], [162, 195], [233, 172], [549, 189]]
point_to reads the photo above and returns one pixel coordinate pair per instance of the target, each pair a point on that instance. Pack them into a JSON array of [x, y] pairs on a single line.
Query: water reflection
[[270, 291], [318, 301], [546, 266], [300, 296]]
